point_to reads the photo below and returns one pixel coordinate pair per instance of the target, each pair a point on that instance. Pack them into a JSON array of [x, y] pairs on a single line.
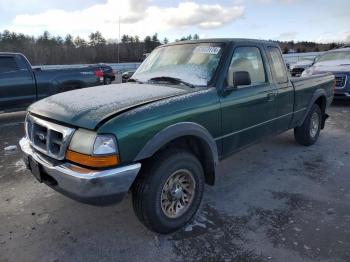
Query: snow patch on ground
[[200, 220], [10, 148], [43, 219], [20, 166]]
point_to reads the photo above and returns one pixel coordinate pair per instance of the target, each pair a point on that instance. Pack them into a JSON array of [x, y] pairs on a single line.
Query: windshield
[[331, 56], [192, 63]]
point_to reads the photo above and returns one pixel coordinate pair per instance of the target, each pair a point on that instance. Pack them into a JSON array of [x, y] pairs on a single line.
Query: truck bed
[[305, 88]]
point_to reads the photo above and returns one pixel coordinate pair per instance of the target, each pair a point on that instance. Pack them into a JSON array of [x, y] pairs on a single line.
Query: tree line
[[305, 46], [49, 49]]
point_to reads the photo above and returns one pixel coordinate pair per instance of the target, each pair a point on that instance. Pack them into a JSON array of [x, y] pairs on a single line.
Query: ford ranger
[[21, 84], [161, 135]]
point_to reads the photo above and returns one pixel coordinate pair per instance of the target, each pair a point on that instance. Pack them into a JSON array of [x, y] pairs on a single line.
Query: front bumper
[[341, 95], [343, 92], [97, 187]]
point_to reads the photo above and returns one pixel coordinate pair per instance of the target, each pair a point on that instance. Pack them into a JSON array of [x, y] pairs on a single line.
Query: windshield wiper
[[171, 80], [134, 80]]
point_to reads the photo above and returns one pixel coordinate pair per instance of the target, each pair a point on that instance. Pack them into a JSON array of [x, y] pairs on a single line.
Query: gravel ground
[[275, 201]]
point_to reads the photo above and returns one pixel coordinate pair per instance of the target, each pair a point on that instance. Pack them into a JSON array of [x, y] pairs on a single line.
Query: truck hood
[[332, 66], [87, 107]]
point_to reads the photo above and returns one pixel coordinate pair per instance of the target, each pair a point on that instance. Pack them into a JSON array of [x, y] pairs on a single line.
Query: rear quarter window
[[8, 64], [278, 67]]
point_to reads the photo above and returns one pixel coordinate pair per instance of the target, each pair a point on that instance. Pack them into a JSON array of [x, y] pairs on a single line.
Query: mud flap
[[324, 118]]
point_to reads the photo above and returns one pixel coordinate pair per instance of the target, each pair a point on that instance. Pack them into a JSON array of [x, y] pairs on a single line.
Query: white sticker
[[213, 50]]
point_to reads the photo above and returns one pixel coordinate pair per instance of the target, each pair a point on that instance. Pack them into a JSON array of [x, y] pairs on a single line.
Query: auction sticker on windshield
[[213, 50]]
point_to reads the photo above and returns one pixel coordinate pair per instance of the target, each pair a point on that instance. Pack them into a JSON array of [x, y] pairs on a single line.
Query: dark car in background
[[127, 75], [108, 74], [337, 62], [21, 84]]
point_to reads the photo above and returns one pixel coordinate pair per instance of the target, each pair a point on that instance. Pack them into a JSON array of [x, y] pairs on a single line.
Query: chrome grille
[[48, 138], [340, 81]]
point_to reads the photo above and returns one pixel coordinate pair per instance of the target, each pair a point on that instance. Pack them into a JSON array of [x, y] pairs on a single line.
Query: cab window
[[7, 64], [248, 59]]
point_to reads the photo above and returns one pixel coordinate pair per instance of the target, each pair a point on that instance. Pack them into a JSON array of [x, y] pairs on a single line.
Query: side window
[[7, 64], [249, 59], [22, 64], [278, 66]]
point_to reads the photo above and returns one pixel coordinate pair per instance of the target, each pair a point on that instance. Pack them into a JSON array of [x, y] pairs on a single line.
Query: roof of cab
[[224, 40], [9, 53]]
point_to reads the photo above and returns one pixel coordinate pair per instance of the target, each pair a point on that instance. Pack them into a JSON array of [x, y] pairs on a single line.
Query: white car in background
[[337, 62], [298, 68]]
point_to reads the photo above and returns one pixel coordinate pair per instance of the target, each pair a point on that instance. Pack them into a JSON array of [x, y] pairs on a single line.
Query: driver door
[[17, 86], [247, 111]]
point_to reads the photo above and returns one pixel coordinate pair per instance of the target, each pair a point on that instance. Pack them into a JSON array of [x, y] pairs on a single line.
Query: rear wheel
[[169, 190], [308, 133], [107, 81]]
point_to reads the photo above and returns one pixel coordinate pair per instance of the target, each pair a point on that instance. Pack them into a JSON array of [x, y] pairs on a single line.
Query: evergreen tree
[[96, 39], [80, 42], [285, 50], [68, 41]]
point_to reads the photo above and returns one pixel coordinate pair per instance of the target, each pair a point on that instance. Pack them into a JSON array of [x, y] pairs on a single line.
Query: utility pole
[[118, 40]]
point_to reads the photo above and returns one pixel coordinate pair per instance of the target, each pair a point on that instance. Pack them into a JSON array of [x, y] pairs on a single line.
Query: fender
[[176, 131], [317, 94]]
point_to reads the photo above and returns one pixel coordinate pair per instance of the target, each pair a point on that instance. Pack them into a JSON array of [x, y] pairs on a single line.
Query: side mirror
[[315, 60], [238, 78]]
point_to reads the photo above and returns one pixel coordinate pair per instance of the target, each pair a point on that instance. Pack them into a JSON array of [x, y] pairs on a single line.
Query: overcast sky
[[313, 20]]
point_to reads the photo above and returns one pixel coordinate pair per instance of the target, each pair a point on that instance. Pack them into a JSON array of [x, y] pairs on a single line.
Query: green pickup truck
[[162, 134]]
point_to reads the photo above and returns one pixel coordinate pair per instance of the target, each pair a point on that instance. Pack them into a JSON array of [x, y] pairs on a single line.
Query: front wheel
[[168, 193], [308, 133]]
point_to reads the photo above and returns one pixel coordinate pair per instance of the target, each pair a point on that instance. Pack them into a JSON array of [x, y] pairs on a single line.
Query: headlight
[[90, 149]]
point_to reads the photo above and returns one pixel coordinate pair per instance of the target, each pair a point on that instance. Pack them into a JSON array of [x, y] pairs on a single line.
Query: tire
[[308, 133], [107, 81], [156, 185]]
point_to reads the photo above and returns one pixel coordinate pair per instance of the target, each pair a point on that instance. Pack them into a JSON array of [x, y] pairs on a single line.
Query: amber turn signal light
[[92, 161]]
